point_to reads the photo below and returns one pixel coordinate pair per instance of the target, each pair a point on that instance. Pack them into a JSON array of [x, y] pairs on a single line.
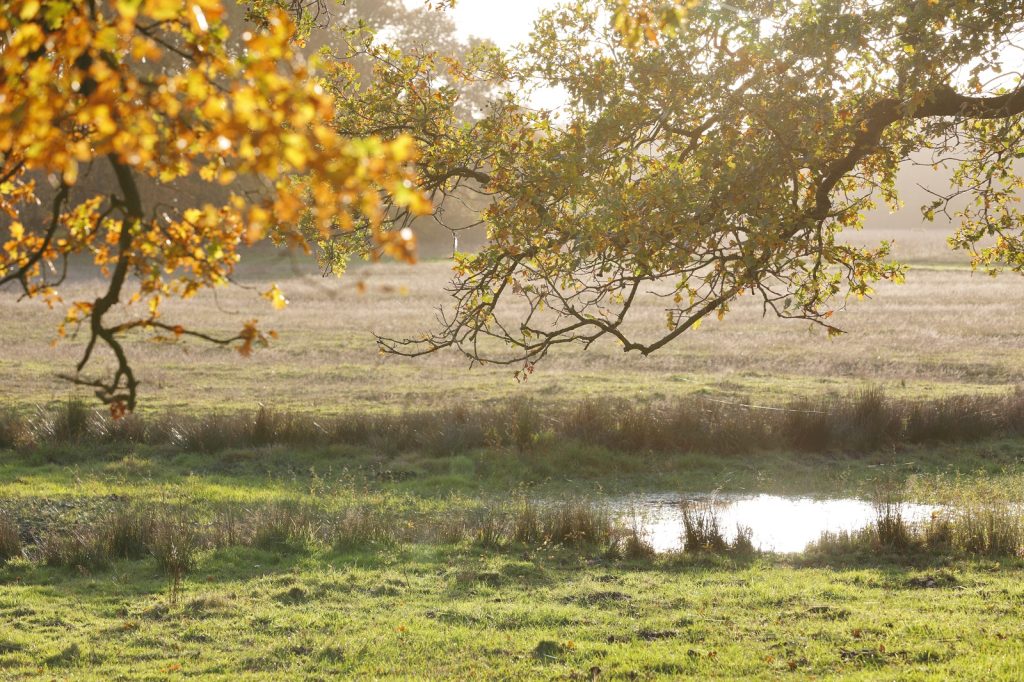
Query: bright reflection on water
[[778, 524]]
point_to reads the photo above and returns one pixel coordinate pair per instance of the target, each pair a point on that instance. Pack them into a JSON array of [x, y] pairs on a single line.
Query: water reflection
[[777, 524]]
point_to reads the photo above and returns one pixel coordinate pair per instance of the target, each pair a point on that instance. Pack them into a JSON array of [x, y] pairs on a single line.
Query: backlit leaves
[[713, 150], [160, 89]]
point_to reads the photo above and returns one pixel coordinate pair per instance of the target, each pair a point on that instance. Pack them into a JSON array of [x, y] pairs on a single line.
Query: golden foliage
[[160, 88]]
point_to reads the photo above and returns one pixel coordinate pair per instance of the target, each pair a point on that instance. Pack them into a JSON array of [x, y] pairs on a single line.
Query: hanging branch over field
[[722, 156]]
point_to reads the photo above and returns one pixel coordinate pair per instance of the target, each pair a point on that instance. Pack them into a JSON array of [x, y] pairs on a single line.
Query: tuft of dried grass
[[69, 423], [10, 538], [283, 525], [577, 523], [489, 528], [701, 529], [631, 545], [175, 542]]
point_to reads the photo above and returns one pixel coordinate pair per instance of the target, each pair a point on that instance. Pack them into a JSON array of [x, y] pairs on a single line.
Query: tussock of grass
[[73, 422], [283, 525], [10, 538], [12, 427], [81, 548], [365, 525], [632, 545], [702, 532], [127, 532], [865, 421], [989, 529], [489, 529], [576, 524], [174, 543], [571, 523]]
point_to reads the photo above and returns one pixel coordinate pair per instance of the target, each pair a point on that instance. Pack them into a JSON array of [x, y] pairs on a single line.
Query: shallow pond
[[777, 523]]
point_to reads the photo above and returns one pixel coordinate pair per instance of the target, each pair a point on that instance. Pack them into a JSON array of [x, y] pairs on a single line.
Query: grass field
[[376, 598], [446, 614], [946, 331], [369, 521]]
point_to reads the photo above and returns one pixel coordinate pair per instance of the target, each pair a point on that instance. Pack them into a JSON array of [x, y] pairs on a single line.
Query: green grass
[[292, 608], [273, 473], [446, 613]]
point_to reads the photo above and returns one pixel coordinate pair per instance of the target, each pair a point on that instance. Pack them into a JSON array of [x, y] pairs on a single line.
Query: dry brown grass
[[945, 331], [10, 538], [861, 422]]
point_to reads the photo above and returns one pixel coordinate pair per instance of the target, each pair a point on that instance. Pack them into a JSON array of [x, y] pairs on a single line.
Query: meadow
[[317, 510], [947, 331]]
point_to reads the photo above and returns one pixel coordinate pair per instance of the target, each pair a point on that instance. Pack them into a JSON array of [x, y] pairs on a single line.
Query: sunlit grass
[[943, 333]]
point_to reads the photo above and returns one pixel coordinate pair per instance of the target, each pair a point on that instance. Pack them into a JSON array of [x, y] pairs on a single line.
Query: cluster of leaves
[[400, 71], [646, 21], [160, 90]]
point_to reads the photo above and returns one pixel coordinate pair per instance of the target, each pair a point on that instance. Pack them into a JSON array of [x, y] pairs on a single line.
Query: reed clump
[[703, 533], [10, 538], [979, 529]]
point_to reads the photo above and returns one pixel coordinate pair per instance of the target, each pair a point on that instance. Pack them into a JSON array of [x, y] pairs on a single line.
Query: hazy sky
[[506, 22]]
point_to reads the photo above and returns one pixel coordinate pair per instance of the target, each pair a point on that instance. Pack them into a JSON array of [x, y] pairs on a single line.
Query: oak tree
[[161, 91], [714, 150]]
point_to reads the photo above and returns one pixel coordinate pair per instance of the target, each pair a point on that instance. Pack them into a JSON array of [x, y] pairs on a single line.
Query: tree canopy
[[706, 151], [714, 150]]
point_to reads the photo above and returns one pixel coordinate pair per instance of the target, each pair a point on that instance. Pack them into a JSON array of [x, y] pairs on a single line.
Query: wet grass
[[268, 544], [90, 534]]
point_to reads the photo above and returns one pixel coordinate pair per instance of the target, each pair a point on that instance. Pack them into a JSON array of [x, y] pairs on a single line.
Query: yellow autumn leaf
[[276, 297], [29, 10]]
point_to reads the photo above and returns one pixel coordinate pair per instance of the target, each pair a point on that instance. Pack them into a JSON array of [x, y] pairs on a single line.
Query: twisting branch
[[22, 272], [121, 391], [731, 178]]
